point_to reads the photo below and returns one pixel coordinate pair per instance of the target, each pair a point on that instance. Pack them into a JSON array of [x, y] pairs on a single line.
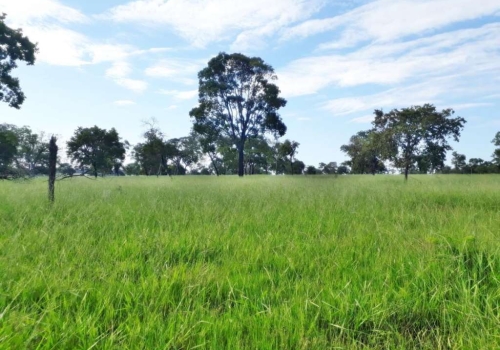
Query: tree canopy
[[14, 47], [238, 101], [96, 148], [419, 132]]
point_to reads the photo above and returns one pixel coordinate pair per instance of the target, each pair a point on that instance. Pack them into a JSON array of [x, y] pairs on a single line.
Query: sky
[[117, 63]]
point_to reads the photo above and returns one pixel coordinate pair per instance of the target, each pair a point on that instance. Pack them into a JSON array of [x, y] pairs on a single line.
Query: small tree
[[97, 148], [412, 132], [237, 100], [14, 47]]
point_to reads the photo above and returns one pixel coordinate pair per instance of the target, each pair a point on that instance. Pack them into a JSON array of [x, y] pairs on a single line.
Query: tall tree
[[237, 100], [14, 47], [97, 148], [415, 131]]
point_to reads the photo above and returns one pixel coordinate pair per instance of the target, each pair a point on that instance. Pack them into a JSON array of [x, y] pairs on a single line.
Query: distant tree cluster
[[475, 165], [22, 152]]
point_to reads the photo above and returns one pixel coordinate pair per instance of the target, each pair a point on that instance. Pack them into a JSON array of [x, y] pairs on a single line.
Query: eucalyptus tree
[[238, 100]]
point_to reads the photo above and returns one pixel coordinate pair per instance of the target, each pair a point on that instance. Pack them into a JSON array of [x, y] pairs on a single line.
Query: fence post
[[52, 167]]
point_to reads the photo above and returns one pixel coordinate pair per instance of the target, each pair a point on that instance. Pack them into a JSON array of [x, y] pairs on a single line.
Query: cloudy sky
[[115, 63]]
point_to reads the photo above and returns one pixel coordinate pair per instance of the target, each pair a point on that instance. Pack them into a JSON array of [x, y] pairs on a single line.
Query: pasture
[[261, 262]]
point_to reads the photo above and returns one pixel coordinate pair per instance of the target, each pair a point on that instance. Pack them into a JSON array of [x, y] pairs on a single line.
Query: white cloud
[[202, 22], [119, 70], [132, 84], [122, 103], [386, 20], [171, 108], [471, 105], [23, 12], [46, 21], [430, 91], [469, 51], [179, 70], [180, 95]]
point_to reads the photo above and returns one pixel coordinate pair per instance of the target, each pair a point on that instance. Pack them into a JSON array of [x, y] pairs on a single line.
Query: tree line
[[236, 130]]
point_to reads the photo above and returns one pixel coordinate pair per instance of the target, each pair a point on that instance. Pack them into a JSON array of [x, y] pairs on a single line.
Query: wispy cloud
[[214, 20], [468, 51], [386, 20], [180, 95], [119, 70], [123, 103], [132, 84], [179, 70]]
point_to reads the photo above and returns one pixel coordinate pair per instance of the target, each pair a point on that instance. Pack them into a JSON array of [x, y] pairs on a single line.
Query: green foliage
[[14, 47], [418, 134], [96, 148], [276, 262], [365, 150], [9, 142], [237, 101], [23, 152]]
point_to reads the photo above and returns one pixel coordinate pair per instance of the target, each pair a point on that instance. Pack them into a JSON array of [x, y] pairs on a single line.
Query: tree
[[133, 169], [289, 149], [185, 152], [66, 169], [458, 162], [9, 142], [328, 169], [298, 167], [311, 170], [153, 154], [416, 131], [364, 149], [496, 153], [237, 100], [33, 154], [14, 47], [97, 148]]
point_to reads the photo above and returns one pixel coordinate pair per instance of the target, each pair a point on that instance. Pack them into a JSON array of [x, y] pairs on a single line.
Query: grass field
[[256, 263]]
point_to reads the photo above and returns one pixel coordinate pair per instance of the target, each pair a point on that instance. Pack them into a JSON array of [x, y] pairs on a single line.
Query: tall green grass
[[256, 263]]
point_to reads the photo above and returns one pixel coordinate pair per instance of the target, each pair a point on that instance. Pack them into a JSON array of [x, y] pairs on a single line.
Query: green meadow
[[261, 262]]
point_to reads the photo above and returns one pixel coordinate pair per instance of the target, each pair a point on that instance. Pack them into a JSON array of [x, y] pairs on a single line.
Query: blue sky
[[115, 63]]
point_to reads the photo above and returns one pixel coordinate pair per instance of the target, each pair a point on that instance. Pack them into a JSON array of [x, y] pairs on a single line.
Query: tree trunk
[[52, 167], [407, 169], [213, 164], [241, 161]]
